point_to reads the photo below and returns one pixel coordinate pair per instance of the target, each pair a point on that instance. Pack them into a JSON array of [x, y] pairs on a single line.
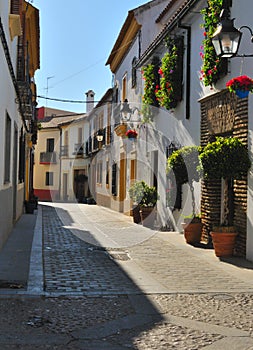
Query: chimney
[[90, 100]]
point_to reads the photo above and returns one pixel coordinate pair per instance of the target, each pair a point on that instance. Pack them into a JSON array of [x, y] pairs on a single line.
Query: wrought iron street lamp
[[125, 111], [128, 115], [226, 38]]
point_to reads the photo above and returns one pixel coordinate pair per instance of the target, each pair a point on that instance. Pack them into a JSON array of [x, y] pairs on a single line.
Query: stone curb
[[232, 343], [205, 327], [36, 275]]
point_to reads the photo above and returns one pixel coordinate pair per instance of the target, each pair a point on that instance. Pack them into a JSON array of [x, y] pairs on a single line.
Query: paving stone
[[70, 259]]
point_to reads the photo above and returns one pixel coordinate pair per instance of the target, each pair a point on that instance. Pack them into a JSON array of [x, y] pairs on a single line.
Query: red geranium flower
[[131, 133], [243, 83]]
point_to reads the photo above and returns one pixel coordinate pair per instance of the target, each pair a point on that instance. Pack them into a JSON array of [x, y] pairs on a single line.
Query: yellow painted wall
[[41, 169]]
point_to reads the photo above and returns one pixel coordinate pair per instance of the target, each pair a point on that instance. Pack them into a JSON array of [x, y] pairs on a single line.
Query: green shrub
[[226, 157]]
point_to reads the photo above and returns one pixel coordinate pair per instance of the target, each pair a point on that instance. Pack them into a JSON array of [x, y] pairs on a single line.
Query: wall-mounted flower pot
[[242, 94], [120, 130]]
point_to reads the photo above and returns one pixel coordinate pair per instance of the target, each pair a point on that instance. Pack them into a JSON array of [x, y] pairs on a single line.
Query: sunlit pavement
[[99, 281], [157, 262]]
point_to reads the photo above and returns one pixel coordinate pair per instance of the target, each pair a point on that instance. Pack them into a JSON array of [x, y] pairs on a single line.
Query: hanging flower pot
[[241, 86], [241, 93], [131, 134]]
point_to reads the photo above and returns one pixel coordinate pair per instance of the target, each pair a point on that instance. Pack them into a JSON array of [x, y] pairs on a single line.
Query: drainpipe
[[188, 70], [60, 162]]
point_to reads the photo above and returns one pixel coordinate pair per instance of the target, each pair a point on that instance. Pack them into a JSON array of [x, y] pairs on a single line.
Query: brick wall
[[226, 115]]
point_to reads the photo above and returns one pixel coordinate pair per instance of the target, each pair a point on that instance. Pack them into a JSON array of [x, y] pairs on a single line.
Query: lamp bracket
[[250, 30], [244, 55]]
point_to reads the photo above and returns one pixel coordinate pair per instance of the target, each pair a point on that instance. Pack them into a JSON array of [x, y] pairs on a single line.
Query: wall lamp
[[100, 135], [226, 38], [129, 115]]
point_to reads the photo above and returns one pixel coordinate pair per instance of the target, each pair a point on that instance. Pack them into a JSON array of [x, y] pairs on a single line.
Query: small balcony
[[48, 158], [79, 149], [65, 151]]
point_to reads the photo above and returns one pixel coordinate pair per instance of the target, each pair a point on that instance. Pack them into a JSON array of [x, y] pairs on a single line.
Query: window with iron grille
[[7, 150], [114, 179]]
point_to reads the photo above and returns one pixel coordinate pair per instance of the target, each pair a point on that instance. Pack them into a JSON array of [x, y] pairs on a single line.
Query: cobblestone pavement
[[74, 266], [158, 294]]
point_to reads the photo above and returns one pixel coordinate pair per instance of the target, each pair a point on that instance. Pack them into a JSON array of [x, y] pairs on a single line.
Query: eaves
[[173, 22]]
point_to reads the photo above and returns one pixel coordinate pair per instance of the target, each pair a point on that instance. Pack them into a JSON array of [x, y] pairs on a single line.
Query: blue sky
[[76, 40]]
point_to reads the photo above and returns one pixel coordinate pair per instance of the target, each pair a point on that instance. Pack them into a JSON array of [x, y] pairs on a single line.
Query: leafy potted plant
[[184, 165], [241, 86], [147, 205], [136, 192], [226, 158]]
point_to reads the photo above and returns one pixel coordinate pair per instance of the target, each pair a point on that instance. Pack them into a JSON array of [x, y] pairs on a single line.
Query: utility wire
[[69, 101]]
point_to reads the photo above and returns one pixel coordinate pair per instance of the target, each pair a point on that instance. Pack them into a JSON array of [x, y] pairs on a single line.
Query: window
[[15, 4], [134, 72], [114, 179], [66, 138], [50, 145], [49, 178], [7, 151], [21, 169], [107, 173], [99, 173], [124, 87], [80, 135]]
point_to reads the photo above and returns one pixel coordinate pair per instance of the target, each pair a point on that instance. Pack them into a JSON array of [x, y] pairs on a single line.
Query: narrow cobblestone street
[[124, 288]]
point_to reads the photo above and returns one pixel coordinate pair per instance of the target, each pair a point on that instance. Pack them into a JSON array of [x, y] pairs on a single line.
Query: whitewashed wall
[[8, 105]]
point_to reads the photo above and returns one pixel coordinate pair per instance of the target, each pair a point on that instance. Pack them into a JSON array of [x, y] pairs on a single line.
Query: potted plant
[[31, 204], [184, 165], [226, 158], [147, 205], [136, 192], [144, 199], [131, 134], [192, 227], [241, 86]]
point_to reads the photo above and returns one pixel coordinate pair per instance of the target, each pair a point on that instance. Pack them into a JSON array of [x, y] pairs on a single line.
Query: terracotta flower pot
[[136, 214], [148, 215], [192, 232], [223, 243]]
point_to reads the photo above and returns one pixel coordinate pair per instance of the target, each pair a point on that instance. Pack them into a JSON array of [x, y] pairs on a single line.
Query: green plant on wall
[[163, 80], [151, 79], [165, 91], [226, 158], [213, 67], [169, 91]]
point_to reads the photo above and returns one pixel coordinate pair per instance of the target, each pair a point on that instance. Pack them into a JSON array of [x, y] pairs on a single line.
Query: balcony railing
[[64, 151], [48, 158], [79, 149]]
